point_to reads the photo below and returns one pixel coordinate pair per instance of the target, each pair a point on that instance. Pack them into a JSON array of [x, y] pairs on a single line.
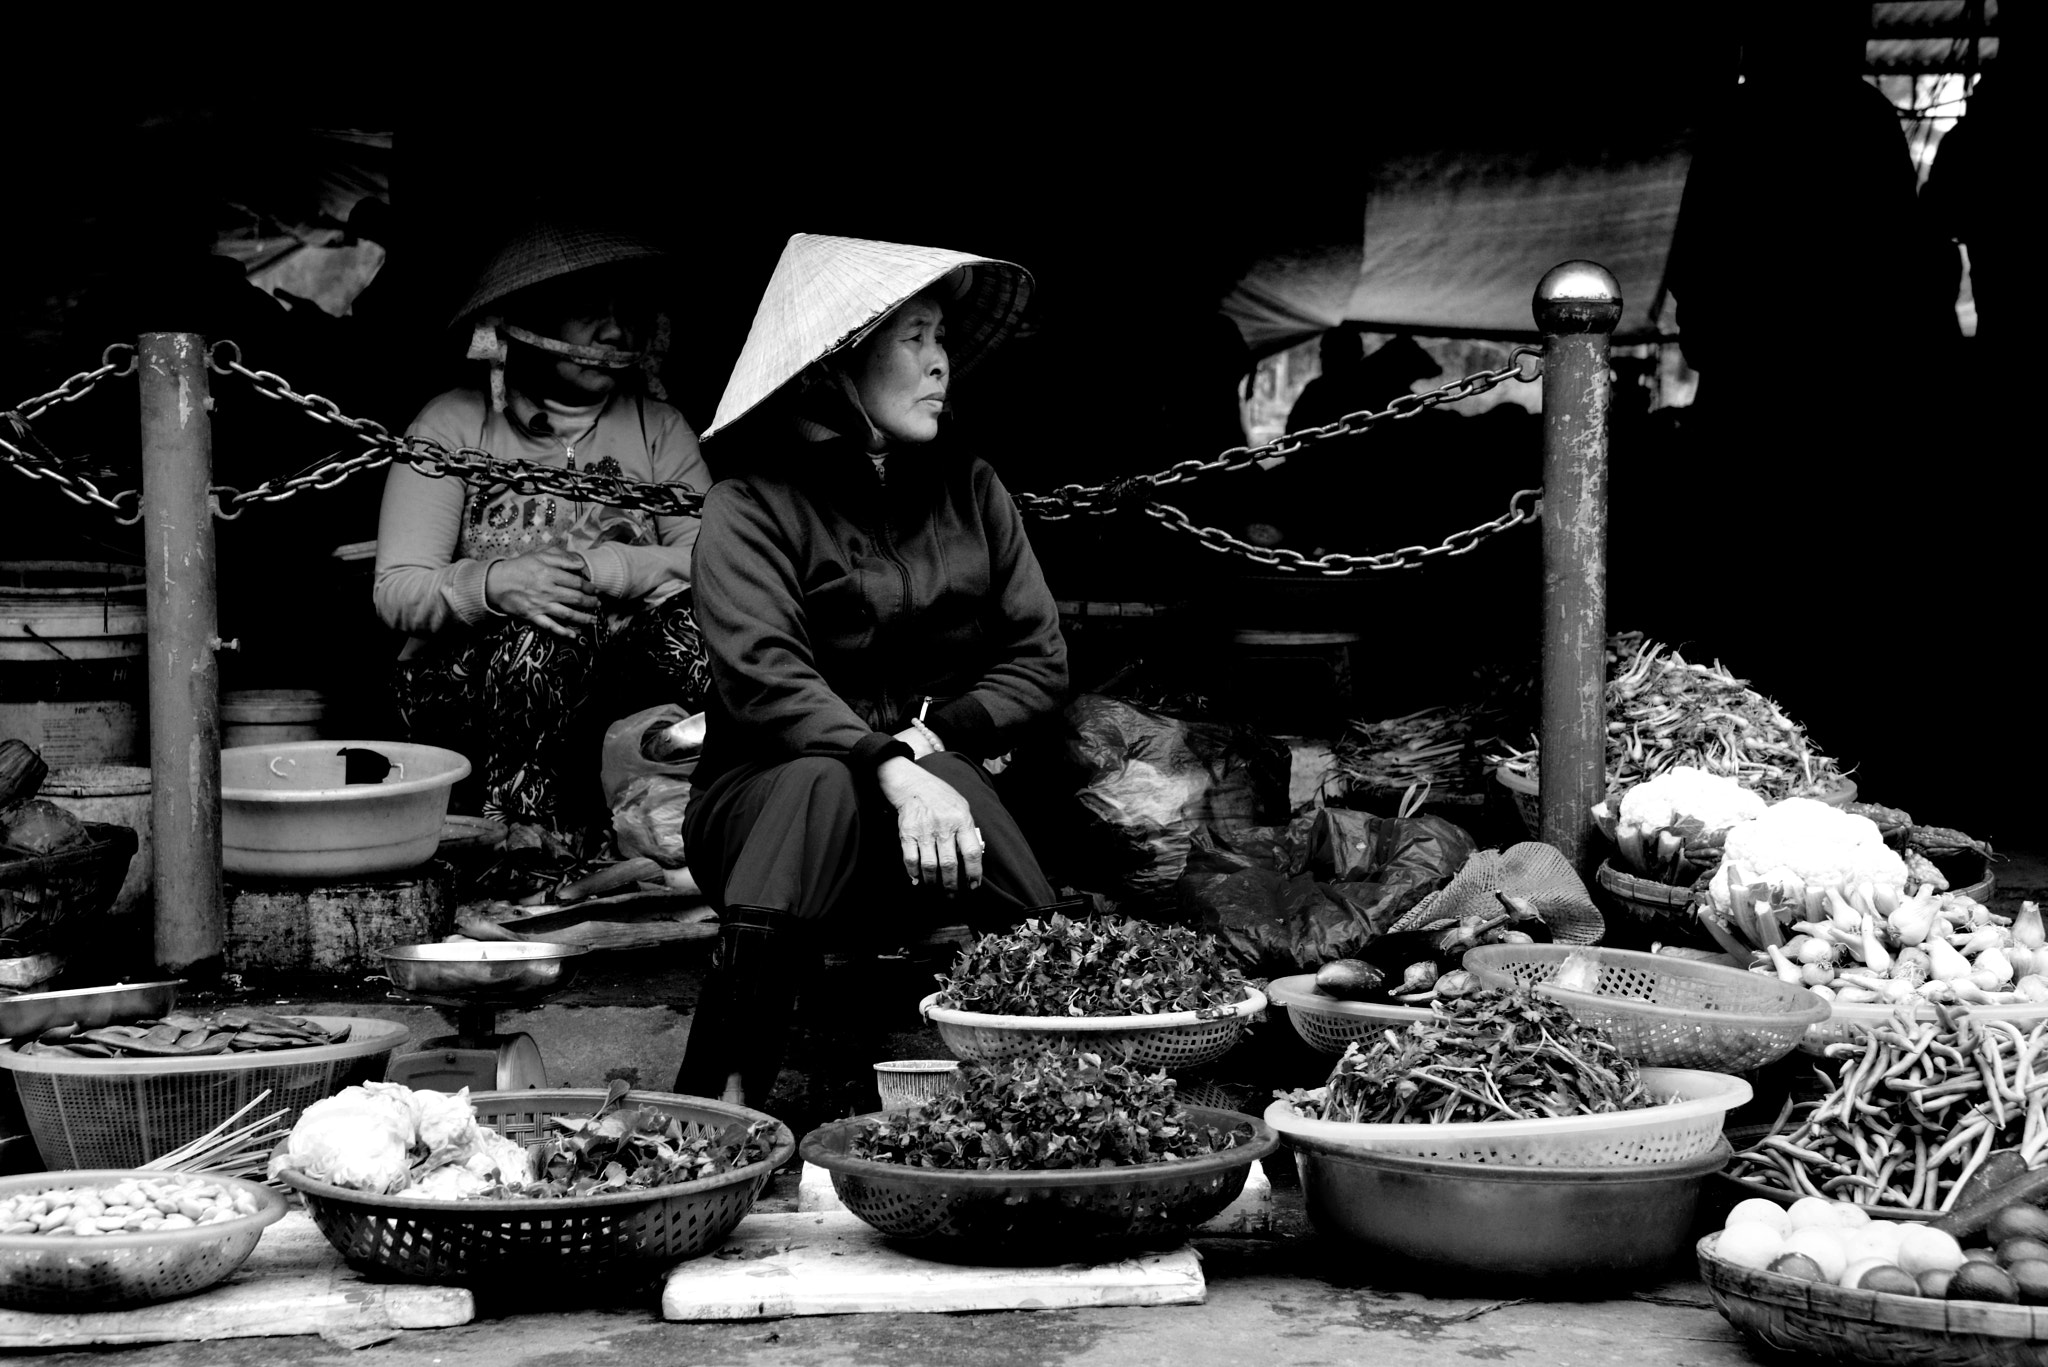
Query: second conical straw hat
[[827, 291]]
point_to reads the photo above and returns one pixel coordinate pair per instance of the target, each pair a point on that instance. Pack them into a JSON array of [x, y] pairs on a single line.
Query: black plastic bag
[[1289, 899], [1119, 806]]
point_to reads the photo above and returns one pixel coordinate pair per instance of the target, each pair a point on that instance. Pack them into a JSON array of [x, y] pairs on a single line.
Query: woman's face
[[901, 371], [599, 312]]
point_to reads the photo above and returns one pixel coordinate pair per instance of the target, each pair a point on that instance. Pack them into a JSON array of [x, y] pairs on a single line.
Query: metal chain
[[78, 386], [1097, 499], [1525, 506], [126, 506], [431, 458]]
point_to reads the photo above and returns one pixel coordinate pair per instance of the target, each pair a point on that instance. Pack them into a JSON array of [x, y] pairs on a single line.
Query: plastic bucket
[[118, 794], [72, 673], [271, 716]]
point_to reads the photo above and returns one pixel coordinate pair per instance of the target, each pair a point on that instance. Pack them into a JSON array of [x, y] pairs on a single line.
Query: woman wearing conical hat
[[877, 627], [518, 605]]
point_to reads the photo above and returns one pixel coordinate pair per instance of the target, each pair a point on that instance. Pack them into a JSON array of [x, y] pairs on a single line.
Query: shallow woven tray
[[1329, 1023], [1687, 1126], [1664, 1011], [1818, 1320], [1171, 1040], [470, 1242], [67, 1273], [1000, 1215]]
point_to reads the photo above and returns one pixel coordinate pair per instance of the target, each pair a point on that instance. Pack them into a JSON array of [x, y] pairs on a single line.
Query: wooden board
[[294, 1283], [831, 1263], [1250, 1213]]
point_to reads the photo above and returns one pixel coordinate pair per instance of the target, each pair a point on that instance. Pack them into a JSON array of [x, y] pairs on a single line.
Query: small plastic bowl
[[904, 1082], [54, 1272]]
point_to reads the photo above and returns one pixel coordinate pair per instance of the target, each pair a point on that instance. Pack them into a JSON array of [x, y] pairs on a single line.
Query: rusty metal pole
[[1577, 306], [184, 677]]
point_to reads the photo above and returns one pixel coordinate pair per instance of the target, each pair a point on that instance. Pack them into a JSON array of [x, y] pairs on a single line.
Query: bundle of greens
[[1060, 1108], [1097, 966], [1492, 1055], [631, 1148]]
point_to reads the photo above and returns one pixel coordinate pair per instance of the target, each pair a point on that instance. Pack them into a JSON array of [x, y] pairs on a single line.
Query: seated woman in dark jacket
[[877, 626]]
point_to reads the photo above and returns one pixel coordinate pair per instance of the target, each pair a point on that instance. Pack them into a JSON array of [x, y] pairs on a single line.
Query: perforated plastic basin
[[288, 810]]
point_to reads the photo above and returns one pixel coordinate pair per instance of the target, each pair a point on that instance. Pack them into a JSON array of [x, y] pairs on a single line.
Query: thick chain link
[[1525, 506], [677, 500], [1097, 499], [431, 458]]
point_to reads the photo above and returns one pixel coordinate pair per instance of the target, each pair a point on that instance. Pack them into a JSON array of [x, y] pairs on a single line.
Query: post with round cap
[[184, 677], [1577, 306]]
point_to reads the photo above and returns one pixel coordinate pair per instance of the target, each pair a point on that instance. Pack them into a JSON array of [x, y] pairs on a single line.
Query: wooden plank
[[1250, 1213], [831, 1263], [294, 1283]]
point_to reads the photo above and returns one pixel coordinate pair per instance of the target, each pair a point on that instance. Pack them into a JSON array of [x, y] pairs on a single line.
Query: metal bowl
[[1504, 1220], [482, 973], [28, 1015]]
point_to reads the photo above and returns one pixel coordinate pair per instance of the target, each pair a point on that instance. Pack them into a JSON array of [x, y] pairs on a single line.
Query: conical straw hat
[[827, 291], [544, 250]]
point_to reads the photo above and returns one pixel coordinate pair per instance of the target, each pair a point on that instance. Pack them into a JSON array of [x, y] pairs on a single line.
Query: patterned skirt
[[510, 697]]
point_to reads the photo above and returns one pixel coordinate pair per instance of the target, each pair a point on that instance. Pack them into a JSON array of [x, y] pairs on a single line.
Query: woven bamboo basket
[[1818, 1320]]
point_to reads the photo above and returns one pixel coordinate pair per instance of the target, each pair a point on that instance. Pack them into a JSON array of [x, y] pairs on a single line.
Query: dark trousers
[[812, 838]]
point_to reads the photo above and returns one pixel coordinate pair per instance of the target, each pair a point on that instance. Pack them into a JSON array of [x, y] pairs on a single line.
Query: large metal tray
[[32, 1013]]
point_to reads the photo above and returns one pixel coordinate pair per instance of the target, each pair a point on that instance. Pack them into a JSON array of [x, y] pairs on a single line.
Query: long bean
[[1913, 1111]]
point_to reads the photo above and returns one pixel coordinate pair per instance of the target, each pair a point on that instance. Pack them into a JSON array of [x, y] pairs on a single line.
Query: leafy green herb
[[1097, 966], [625, 1150], [1492, 1055], [1060, 1108]]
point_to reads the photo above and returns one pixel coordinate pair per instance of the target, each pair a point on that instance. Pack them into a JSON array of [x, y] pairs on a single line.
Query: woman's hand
[[545, 588], [935, 825]]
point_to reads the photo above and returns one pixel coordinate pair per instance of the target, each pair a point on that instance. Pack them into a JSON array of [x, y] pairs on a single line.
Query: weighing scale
[[471, 981]]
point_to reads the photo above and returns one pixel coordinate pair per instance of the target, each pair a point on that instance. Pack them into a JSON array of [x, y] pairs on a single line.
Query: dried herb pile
[[1095, 966], [1492, 1055], [1060, 1108]]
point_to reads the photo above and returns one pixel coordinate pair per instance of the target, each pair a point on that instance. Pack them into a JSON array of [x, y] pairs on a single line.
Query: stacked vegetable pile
[[1439, 750], [1489, 1055], [1060, 1108], [1663, 711], [1815, 895], [138, 1205], [184, 1034], [388, 1139], [1093, 966], [1915, 1111]]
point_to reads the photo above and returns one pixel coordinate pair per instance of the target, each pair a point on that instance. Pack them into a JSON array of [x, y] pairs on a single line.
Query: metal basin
[[28, 1015], [482, 973], [1504, 1220]]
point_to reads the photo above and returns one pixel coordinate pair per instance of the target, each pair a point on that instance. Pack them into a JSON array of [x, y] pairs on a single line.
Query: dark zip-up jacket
[[833, 604]]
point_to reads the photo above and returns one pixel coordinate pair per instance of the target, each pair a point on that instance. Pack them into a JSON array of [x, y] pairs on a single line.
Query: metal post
[[1577, 306], [184, 677]]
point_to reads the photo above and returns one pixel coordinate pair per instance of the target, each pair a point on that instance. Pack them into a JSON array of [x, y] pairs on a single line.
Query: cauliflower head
[[1683, 793], [1820, 845], [355, 1138]]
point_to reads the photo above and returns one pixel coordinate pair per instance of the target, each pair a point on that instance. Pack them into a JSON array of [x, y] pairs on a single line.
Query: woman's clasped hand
[[548, 588], [941, 845]]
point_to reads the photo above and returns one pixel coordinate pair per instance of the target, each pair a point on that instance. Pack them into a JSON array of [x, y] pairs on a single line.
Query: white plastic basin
[[285, 810]]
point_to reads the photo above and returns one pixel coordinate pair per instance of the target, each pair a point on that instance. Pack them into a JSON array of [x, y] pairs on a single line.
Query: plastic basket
[[1330, 1024], [489, 1241], [1005, 1215], [904, 1082], [45, 897], [1171, 1040], [1685, 1125], [123, 1112], [1818, 1320], [68, 1273], [1668, 1012]]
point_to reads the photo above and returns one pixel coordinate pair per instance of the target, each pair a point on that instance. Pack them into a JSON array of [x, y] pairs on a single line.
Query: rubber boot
[[742, 1024]]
